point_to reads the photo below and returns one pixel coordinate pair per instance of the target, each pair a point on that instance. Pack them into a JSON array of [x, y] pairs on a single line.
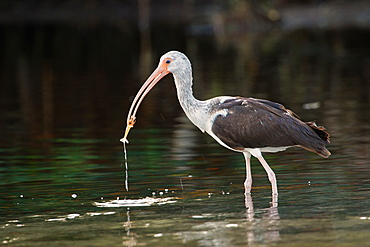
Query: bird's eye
[[168, 61]]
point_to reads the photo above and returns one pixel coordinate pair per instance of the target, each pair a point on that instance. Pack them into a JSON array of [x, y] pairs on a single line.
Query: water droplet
[[232, 225], [93, 214], [74, 195], [72, 216], [108, 213], [57, 219], [21, 196]]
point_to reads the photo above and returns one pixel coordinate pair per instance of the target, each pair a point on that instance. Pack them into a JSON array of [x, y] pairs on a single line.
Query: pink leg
[[248, 173], [270, 174]]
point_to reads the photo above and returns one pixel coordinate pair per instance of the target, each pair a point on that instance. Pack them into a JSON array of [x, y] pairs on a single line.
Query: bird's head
[[172, 62]]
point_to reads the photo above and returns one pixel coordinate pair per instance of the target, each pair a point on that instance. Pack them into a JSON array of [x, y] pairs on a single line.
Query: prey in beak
[[154, 78]]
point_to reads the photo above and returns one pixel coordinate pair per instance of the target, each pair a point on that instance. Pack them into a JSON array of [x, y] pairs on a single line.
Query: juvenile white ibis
[[245, 125]]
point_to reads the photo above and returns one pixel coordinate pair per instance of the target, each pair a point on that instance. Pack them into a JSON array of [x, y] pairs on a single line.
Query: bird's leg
[[270, 174], [248, 173], [249, 207]]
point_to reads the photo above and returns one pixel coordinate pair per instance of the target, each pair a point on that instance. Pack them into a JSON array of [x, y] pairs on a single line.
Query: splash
[[143, 202]]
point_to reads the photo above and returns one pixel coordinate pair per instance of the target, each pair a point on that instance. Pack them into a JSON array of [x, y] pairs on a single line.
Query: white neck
[[194, 109]]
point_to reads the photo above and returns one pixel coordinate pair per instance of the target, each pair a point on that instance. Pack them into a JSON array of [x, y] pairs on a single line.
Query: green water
[[49, 187], [66, 87]]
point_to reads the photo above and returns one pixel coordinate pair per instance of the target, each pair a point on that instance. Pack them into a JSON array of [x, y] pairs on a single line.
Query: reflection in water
[[130, 238], [184, 141], [267, 227]]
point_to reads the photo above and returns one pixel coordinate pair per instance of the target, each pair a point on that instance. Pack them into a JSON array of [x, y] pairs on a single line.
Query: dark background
[[75, 64]]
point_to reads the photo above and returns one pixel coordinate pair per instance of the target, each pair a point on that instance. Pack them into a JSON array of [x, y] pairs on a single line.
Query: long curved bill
[[153, 79]]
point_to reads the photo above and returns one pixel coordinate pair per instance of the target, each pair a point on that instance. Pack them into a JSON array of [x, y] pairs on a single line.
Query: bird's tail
[[324, 135], [324, 153], [320, 131]]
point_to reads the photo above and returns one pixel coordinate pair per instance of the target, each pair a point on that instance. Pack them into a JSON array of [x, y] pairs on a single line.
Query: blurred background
[[70, 69], [77, 63]]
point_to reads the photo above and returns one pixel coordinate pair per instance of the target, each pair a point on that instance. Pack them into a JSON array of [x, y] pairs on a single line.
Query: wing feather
[[254, 123]]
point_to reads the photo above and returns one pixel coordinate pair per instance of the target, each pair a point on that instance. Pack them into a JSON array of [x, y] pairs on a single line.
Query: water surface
[[65, 91], [48, 194]]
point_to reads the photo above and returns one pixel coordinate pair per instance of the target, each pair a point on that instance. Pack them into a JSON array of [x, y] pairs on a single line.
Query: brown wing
[[253, 123]]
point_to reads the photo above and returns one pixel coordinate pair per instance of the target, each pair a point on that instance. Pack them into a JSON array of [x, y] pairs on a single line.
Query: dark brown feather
[[320, 131], [254, 123]]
